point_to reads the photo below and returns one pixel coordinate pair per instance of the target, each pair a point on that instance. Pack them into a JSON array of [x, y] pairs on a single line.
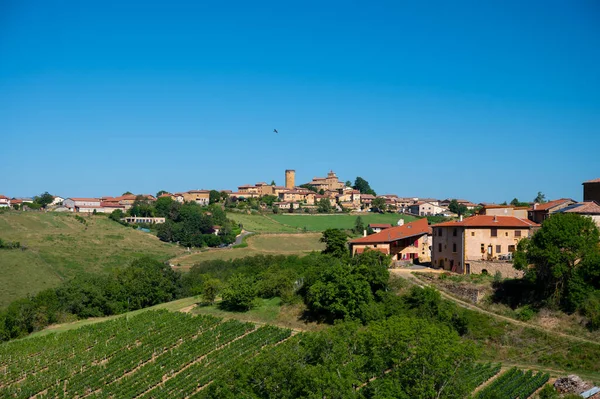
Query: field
[[262, 244], [290, 223], [59, 247], [155, 354]]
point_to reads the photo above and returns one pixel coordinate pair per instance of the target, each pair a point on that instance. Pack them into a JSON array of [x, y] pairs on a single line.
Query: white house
[[57, 200], [4, 201]]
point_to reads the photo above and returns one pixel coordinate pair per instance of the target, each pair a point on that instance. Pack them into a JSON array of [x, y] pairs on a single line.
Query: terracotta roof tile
[[489, 221], [416, 228], [85, 199], [584, 208], [551, 204], [380, 225], [3, 197], [592, 181]]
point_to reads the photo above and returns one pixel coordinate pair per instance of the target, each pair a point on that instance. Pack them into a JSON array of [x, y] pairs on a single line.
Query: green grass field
[[342, 221], [59, 247], [260, 244], [290, 223]]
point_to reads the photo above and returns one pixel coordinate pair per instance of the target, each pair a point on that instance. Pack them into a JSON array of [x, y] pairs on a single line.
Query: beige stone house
[[505, 210], [409, 242], [331, 182], [478, 243], [201, 197]]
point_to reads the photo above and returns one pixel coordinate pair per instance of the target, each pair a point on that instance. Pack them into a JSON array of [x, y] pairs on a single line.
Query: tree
[[362, 185], [210, 289], [348, 183], [44, 199], [324, 206], [540, 198], [514, 202], [240, 293], [457, 208], [335, 242], [378, 204], [563, 260], [162, 206], [309, 187], [359, 226], [161, 192], [127, 193], [273, 183], [214, 196]]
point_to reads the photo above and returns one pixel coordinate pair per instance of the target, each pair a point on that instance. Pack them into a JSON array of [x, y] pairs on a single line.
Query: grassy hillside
[[263, 244], [282, 223], [59, 247]]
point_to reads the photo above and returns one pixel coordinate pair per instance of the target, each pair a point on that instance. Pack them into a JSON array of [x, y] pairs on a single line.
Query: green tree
[[348, 183], [540, 198], [335, 242], [378, 204], [162, 206], [273, 183], [563, 259], [268, 200], [210, 289], [324, 206], [515, 202], [161, 192], [240, 293], [455, 207], [127, 193], [214, 196], [363, 186], [309, 187], [359, 226], [44, 199]]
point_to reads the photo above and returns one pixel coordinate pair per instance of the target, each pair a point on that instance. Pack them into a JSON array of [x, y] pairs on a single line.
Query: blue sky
[[480, 100]]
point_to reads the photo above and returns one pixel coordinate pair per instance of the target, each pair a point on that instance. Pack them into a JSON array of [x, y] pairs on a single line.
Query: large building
[[82, 204], [409, 242], [540, 212], [290, 179], [591, 190], [201, 197], [329, 183], [482, 243]]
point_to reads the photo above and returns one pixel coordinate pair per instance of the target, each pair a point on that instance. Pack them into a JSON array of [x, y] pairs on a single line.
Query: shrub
[[240, 293], [525, 313]]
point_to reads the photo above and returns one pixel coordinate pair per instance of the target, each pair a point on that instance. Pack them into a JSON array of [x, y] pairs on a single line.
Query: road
[[239, 239]]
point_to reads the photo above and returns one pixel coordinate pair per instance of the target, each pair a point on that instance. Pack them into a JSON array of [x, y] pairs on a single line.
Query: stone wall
[[505, 268]]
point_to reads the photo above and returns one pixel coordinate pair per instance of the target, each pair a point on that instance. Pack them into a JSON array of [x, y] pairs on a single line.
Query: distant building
[[290, 179], [331, 182], [4, 201], [422, 208], [378, 227], [141, 219], [591, 190], [57, 200], [84, 205], [482, 243], [201, 197], [505, 210], [409, 242], [540, 212]]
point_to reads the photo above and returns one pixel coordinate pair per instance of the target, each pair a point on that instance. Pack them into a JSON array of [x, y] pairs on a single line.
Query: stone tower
[[290, 178]]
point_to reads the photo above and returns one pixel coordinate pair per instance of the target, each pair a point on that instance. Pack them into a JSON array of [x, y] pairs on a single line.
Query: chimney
[[535, 205], [460, 218], [364, 232], [401, 222], [495, 218]]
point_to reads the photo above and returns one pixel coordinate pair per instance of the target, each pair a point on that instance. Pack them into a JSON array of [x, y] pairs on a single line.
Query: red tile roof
[[592, 181], [3, 197], [382, 250], [111, 205], [416, 228], [380, 225], [489, 221], [551, 204]]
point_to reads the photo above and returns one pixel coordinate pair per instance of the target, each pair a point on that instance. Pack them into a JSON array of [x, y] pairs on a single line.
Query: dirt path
[[407, 274]]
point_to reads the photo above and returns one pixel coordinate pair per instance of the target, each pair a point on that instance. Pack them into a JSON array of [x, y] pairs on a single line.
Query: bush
[[240, 293], [525, 313], [591, 310]]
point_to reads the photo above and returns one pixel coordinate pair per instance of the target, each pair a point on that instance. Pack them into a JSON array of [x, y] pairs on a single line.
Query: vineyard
[[158, 354], [513, 384], [155, 354]]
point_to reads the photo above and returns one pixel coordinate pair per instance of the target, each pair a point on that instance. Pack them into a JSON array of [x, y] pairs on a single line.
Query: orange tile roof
[[489, 221], [592, 181], [380, 225], [3, 197], [551, 204], [382, 250], [416, 228], [111, 205]]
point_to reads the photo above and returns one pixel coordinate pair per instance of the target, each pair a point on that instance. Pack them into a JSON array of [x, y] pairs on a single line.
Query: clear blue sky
[[484, 100]]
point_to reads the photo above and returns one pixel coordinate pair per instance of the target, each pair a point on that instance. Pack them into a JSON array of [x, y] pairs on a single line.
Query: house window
[[511, 248], [517, 233], [453, 247], [439, 247], [472, 234], [498, 249], [506, 234], [482, 248], [454, 232], [494, 232]]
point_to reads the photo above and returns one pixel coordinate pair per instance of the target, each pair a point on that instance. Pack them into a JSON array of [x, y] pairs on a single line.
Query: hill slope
[[59, 247]]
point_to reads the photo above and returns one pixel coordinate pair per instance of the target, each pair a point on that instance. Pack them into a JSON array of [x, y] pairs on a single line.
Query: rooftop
[[592, 181], [416, 228], [490, 221], [550, 204], [584, 208]]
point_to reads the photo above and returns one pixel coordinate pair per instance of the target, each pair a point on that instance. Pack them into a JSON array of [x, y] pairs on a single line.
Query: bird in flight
[[275, 130]]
